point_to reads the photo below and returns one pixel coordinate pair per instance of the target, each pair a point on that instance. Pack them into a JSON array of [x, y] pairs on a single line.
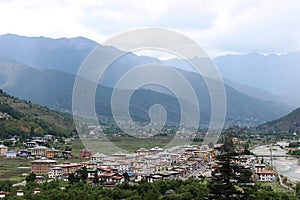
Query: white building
[[10, 154], [266, 176]]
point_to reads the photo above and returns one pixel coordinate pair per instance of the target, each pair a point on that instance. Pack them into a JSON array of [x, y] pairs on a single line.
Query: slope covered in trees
[[25, 119]]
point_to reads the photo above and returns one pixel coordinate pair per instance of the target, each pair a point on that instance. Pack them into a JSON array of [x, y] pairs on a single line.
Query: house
[[55, 172], [20, 193], [266, 176], [36, 190], [39, 150], [31, 144], [98, 157], [51, 153], [49, 137], [3, 194], [85, 153], [68, 168], [91, 173], [89, 165], [155, 150], [259, 168], [142, 152], [3, 150], [41, 166], [67, 154], [119, 155], [10, 154]]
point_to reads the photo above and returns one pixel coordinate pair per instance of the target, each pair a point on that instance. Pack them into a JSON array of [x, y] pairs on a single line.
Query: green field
[[9, 168], [127, 144]]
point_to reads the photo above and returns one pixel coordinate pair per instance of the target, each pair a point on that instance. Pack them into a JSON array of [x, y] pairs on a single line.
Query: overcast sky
[[220, 27]]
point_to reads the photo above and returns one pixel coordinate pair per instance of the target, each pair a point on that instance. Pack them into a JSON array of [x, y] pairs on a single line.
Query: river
[[286, 166]]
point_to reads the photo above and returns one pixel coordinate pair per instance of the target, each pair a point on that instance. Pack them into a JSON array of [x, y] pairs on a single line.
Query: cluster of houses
[[19, 193], [260, 171], [4, 152], [35, 149], [153, 164], [5, 116]]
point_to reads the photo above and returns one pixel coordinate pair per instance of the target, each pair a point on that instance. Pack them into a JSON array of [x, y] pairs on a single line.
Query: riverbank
[[286, 167]]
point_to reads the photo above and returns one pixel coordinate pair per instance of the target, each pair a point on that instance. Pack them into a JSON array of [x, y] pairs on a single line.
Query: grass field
[[127, 144], [9, 168], [274, 185]]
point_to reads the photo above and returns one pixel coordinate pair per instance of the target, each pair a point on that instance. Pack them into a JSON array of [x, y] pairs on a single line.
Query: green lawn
[[274, 185], [9, 168]]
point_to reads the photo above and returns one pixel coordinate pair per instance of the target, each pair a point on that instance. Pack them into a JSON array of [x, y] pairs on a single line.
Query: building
[[67, 168], [3, 150], [10, 154], [20, 193], [155, 150], [3, 194], [98, 157], [49, 138], [266, 176], [55, 172], [119, 155], [259, 167], [85, 153], [36, 190], [51, 153], [142, 152], [41, 166], [39, 150]]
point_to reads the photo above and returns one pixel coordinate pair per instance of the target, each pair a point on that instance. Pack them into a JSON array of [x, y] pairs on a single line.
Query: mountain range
[[43, 71], [290, 122], [278, 74]]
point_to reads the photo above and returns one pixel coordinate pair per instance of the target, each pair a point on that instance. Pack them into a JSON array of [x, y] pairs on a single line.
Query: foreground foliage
[[173, 189]]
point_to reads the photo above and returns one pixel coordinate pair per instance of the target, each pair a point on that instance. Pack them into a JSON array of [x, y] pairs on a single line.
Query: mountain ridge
[[289, 122], [26, 119], [54, 87]]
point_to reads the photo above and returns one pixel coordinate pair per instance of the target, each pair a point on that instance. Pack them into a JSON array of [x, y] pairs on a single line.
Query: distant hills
[[64, 54], [43, 70], [278, 74], [290, 122], [24, 119]]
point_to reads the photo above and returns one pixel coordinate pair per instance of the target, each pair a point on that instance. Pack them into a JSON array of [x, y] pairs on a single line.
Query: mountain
[[290, 122], [54, 89], [42, 70], [263, 94], [65, 54], [278, 74], [23, 118]]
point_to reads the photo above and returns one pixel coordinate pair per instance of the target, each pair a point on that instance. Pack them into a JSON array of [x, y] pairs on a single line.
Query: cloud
[[219, 26]]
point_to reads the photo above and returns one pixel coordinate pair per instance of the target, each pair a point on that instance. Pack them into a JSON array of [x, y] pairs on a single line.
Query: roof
[[119, 153], [40, 147], [142, 149], [98, 155], [3, 146], [44, 160], [156, 149], [266, 172]]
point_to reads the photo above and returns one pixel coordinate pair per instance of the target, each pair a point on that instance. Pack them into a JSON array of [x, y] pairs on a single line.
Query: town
[[150, 165]]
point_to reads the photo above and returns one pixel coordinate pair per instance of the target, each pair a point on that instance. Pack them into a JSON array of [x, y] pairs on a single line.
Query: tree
[[5, 186], [126, 177], [31, 178], [96, 179], [72, 178], [32, 133], [83, 174], [298, 190]]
